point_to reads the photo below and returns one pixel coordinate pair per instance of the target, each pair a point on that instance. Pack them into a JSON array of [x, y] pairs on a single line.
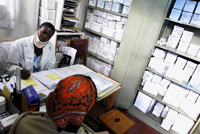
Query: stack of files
[[48, 78]]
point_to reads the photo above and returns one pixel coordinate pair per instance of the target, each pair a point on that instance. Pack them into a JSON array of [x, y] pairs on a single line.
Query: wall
[[27, 23]]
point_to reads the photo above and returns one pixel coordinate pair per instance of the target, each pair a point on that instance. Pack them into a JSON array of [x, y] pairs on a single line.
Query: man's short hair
[[48, 25]]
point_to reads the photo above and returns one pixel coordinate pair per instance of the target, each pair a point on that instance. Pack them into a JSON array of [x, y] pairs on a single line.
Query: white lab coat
[[22, 56]]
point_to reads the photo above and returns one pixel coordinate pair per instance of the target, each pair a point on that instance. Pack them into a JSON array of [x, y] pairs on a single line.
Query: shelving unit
[[166, 30], [60, 6], [110, 35]]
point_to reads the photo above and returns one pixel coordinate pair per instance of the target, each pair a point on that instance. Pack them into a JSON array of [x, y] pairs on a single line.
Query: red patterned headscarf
[[72, 99]]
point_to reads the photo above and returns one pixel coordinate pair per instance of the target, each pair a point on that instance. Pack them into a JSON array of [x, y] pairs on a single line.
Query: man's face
[[45, 34]]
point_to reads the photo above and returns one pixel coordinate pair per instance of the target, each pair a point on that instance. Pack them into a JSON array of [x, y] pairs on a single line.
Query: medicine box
[[100, 3], [175, 14], [117, 7], [30, 99], [48, 4]]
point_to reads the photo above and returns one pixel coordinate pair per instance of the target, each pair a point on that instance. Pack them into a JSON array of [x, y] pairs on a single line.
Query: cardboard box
[[108, 5], [186, 17], [93, 2], [195, 20], [30, 99], [100, 3], [175, 14], [117, 7], [189, 6], [48, 4], [96, 27], [179, 4], [197, 10], [47, 14]]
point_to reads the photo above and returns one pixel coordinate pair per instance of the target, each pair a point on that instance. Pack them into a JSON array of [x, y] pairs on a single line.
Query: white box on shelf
[[105, 40], [186, 17], [105, 22], [112, 24], [193, 49], [48, 4], [111, 56], [41, 20], [158, 108], [92, 2], [175, 14], [114, 44], [198, 54], [119, 25], [100, 20], [104, 14], [187, 36], [179, 4], [183, 46], [96, 27], [126, 10], [197, 10], [109, 16], [120, 1], [195, 20], [96, 12], [48, 14], [172, 41], [159, 53], [117, 7], [180, 63], [124, 20], [170, 58], [127, 2], [177, 31], [189, 6], [117, 17], [182, 124], [100, 3], [109, 31], [108, 5], [119, 34]]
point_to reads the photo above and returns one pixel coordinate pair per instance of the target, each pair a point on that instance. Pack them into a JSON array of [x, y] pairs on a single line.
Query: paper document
[[100, 82], [30, 81]]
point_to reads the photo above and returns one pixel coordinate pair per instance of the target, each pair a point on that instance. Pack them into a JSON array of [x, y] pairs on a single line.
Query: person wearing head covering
[[32, 54], [66, 107]]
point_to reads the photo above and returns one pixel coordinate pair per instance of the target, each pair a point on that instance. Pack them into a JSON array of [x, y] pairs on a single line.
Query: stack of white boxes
[[186, 11], [47, 11], [104, 47], [106, 23]]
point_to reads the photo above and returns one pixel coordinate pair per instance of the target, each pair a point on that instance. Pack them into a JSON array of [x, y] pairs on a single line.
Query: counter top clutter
[[36, 89]]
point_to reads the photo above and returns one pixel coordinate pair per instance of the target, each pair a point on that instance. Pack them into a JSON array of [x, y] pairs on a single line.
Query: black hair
[[49, 25]]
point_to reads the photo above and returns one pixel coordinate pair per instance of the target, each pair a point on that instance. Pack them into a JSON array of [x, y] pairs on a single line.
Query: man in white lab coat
[[33, 53]]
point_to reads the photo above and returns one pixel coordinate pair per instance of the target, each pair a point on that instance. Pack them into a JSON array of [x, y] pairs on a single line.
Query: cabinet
[[168, 95], [104, 25]]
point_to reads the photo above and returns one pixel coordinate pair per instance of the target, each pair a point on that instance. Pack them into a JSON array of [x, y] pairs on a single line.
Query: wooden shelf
[[101, 58], [108, 11], [100, 34]]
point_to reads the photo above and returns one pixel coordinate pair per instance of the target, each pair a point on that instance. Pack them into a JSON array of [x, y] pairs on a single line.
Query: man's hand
[[25, 74]]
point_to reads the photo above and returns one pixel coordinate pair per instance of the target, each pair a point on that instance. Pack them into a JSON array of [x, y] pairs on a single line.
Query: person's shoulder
[[23, 40]]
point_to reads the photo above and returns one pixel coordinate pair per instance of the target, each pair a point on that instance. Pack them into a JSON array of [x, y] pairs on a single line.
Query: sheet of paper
[[100, 82], [54, 76], [30, 81]]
